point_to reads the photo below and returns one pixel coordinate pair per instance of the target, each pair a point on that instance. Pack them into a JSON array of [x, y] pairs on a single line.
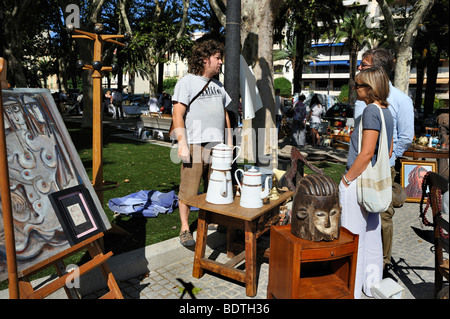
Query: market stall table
[[254, 221], [416, 153], [340, 141], [341, 137], [423, 153]]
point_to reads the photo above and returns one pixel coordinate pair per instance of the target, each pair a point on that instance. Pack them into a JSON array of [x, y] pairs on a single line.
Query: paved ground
[[412, 260]]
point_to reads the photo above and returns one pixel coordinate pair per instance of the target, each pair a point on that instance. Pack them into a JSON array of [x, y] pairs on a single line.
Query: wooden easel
[[98, 260], [19, 285]]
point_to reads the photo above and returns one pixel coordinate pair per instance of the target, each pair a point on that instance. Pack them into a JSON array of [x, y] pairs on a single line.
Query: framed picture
[[77, 213], [412, 174]]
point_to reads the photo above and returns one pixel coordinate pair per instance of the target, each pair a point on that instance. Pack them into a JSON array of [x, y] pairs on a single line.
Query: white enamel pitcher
[[220, 187], [222, 156], [252, 194]]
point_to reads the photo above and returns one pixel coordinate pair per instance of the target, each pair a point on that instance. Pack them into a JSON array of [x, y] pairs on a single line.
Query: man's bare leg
[[184, 215]]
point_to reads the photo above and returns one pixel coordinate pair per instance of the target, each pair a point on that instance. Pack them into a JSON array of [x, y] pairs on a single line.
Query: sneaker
[[186, 238]]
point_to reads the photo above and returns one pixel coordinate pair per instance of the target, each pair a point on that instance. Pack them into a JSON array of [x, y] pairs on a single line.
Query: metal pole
[[232, 52]]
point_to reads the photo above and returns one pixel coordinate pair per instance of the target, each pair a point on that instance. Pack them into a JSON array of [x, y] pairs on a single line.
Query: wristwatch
[[346, 180]]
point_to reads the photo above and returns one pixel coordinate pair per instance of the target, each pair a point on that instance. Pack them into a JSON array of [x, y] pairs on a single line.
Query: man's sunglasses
[[357, 85]]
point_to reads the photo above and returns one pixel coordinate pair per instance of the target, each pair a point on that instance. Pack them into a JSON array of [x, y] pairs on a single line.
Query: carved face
[[316, 210]]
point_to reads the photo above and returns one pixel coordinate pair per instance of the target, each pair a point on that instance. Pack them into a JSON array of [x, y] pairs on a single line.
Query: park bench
[[134, 109], [156, 123]]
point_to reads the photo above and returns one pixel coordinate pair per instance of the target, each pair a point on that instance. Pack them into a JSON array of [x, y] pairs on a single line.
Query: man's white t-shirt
[[205, 117]]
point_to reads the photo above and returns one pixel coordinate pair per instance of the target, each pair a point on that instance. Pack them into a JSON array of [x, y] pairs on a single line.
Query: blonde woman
[[372, 87]]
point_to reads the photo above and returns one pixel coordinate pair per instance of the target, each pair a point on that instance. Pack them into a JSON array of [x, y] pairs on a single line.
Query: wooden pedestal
[[302, 269]]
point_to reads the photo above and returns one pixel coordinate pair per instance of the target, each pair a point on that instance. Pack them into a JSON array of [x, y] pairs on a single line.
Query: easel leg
[[61, 270], [94, 250], [25, 288]]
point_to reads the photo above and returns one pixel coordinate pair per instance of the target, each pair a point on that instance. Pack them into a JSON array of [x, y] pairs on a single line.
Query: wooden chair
[[433, 131], [438, 186]]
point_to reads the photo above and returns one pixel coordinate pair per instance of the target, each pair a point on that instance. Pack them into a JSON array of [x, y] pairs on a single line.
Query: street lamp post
[[97, 68]]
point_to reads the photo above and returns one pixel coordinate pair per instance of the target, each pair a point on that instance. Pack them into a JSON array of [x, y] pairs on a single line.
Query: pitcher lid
[[222, 146], [253, 171]]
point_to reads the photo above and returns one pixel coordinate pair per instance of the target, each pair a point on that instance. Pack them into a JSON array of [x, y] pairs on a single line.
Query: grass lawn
[[138, 166], [134, 166]]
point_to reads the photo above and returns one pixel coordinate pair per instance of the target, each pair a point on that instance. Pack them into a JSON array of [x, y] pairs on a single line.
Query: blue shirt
[[145, 203], [402, 110]]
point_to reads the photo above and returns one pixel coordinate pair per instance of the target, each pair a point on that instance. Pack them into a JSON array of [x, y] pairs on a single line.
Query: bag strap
[[382, 136], [199, 93]]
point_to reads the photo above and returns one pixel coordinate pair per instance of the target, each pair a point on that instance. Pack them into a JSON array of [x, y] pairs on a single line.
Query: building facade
[[331, 68]]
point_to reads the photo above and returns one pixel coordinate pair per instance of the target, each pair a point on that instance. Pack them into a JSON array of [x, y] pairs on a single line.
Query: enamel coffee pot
[[252, 194], [222, 156], [220, 187]]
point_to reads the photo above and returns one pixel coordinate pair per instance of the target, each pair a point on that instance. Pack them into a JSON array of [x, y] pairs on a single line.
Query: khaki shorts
[[192, 173]]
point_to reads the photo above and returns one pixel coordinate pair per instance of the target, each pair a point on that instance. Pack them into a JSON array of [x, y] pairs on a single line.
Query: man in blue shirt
[[402, 110]]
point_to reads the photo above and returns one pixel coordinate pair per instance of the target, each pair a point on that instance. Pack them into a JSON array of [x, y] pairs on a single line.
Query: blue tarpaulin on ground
[[145, 203]]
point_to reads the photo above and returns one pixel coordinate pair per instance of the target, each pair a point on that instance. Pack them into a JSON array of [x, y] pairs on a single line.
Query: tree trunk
[[257, 21], [62, 69], [120, 79], [351, 82], [430, 91], [160, 78], [403, 47], [298, 61], [419, 79], [403, 68], [86, 47], [16, 75], [152, 79], [13, 41]]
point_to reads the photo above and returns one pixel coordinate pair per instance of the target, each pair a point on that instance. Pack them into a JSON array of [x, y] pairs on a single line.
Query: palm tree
[[289, 52], [47, 68], [353, 28]]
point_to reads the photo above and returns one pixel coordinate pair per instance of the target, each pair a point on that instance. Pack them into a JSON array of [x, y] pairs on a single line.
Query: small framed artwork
[[412, 175], [77, 213]]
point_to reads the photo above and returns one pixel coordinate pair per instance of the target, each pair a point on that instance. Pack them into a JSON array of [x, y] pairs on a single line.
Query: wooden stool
[[303, 269]]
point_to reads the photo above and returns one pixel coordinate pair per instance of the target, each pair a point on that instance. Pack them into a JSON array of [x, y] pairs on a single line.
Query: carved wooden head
[[316, 210]]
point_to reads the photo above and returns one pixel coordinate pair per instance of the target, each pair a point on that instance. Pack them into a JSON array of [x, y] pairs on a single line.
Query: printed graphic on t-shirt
[[211, 91]]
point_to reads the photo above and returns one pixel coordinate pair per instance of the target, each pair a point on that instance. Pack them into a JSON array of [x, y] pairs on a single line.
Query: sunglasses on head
[[364, 65], [357, 85]]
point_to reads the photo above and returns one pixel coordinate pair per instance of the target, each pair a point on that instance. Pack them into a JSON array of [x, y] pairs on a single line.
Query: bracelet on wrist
[[346, 180]]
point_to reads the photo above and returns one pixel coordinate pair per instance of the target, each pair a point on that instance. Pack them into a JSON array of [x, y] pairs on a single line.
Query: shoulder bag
[[375, 183], [171, 134]]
